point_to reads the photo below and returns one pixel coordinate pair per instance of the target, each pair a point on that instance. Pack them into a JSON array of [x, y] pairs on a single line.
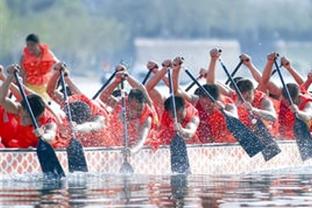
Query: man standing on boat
[[36, 63], [25, 135]]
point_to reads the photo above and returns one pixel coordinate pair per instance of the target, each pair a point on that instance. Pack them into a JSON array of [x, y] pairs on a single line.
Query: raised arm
[[247, 61], [5, 102], [308, 82], [211, 73], [158, 75], [176, 68], [136, 84], [285, 62], [266, 75], [106, 95]]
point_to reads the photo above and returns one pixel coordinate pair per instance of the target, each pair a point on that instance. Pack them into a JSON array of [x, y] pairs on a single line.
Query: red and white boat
[[214, 159]]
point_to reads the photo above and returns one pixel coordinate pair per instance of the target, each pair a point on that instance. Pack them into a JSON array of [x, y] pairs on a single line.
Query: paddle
[[146, 77], [75, 154], [126, 167], [234, 71], [250, 143], [179, 158], [48, 160], [271, 148], [192, 84], [104, 85], [301, 130]]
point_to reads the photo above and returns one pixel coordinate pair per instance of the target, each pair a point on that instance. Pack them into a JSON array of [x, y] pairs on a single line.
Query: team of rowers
[[149, 113]]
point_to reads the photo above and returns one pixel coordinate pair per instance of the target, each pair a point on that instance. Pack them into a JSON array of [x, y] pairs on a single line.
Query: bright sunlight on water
[[283, 188]]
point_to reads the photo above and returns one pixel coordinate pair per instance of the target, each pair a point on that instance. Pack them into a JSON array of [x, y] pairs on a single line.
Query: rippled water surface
[[283, 188]]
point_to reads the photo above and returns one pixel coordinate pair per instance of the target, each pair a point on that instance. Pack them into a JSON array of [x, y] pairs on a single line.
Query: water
[[284, 188]]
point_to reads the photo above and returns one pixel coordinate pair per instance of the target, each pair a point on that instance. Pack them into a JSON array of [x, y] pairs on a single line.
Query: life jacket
[[37, 69], [167, 125], [24, 136], [243, 113], [286, 117], [133, 127], [87, 139], [8, 125]]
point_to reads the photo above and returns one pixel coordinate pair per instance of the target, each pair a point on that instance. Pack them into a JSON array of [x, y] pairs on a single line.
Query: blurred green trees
[[89, 33]]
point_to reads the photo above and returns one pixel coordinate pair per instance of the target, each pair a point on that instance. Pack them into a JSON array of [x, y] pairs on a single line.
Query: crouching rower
[[23, 134], [89, 119], [141, 116]]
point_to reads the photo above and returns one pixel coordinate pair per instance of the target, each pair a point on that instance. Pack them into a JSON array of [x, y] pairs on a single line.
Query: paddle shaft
[[239, 93], [234, 71], [124, 116], [104, 85], [283, 83], [28, 108], [146, 77], [198, 84], [192, 84], [172, 96], [62, 79]]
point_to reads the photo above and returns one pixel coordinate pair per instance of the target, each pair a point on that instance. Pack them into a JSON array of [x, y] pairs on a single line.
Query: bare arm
[[135, 84], [266, 75], [267, 110], [49, 132], [51, 88], [158, 76], [176, 66], [306, 113], [308, 82], [95, 125], [106, 95], [5, 102], [211, 74], [190, 129], [294, 73], [143, 133]]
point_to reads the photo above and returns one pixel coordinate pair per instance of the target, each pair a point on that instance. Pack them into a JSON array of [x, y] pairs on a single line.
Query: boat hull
[[214, 159]]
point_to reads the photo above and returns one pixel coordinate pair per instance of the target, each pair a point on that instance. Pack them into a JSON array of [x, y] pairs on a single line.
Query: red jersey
[[24, 136], [243, 113], [213, 127], [167, 126], [37, 69], [8, 125], [133, 127], [286, 117]]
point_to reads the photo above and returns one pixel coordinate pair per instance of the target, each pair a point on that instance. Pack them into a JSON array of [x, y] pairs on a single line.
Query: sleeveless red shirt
[[243, 113], [167, 126], [286, 117], [133, 126], [24, 136], [8, 125]]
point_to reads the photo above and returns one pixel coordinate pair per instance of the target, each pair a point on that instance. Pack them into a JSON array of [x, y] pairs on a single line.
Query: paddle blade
[[126, 168], [250, 143], [76, 157], [179, 158], [303, 138], [271, 148], [49, 163]]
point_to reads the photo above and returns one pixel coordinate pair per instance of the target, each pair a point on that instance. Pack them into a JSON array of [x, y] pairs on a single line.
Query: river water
[[282, 188]]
